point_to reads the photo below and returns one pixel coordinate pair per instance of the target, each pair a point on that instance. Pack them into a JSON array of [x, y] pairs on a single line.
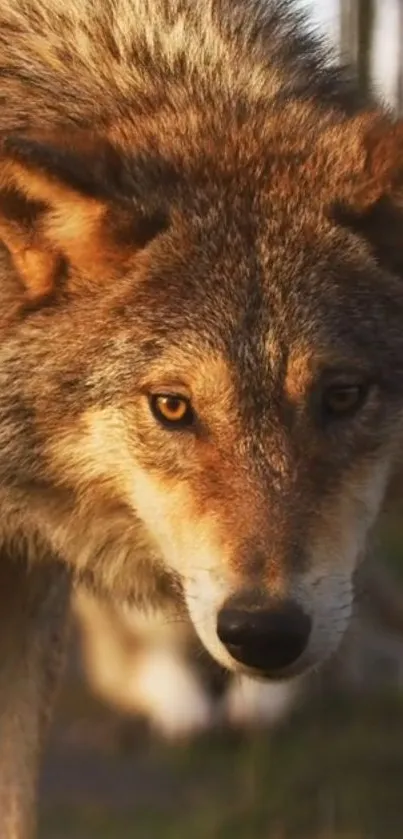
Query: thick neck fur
[[155, 53]]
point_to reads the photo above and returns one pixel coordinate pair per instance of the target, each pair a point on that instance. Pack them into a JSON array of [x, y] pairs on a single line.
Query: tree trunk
[[357, 20]]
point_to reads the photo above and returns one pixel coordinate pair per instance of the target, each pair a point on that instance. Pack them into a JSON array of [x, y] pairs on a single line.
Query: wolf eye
[[343, 399], [172, 410]]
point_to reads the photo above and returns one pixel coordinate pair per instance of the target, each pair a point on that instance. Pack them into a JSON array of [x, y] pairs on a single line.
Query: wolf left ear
[[68, 202], [373, 207]]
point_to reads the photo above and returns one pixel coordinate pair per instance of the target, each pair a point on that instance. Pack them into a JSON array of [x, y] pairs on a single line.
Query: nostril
[[268, 638]]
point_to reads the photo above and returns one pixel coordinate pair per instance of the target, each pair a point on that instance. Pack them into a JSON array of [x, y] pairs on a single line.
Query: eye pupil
[[172, 405]]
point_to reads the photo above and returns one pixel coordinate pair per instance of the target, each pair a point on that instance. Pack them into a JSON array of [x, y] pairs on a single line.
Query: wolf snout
[[268, 637]]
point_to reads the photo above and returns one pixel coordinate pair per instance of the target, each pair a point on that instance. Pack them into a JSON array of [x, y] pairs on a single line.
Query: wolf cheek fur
[[193, 204]]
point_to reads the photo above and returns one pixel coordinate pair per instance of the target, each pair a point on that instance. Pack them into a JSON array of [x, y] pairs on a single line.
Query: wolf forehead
[[243, 259], [246, 259], [247, 215]]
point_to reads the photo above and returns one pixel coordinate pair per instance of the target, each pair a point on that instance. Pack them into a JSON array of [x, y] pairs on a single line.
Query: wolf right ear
[[68, 202], [374, 205]]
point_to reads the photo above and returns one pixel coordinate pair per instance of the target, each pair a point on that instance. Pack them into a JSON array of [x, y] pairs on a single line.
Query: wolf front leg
[[33, 617]]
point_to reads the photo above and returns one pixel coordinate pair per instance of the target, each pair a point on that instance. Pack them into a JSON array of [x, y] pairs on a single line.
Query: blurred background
[[151, 739]]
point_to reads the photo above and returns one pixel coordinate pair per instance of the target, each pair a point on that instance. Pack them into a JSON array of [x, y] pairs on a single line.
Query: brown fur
[[191, 199]]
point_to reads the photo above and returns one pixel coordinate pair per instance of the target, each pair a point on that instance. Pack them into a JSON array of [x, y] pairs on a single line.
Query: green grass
[[334, 772]]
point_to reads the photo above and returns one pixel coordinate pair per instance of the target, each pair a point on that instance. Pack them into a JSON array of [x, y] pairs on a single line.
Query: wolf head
[[202, 357]]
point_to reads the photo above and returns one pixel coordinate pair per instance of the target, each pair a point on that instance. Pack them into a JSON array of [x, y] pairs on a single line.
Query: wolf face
[[258, 442], [202, 354]]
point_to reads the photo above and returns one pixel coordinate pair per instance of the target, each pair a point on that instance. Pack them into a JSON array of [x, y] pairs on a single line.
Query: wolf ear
[[68, 204], [374, 204]]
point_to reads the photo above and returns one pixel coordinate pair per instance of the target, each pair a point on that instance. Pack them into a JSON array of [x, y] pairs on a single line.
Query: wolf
[[201, 343]]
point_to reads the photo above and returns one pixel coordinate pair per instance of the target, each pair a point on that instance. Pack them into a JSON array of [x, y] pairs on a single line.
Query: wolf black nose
[[268, 638]]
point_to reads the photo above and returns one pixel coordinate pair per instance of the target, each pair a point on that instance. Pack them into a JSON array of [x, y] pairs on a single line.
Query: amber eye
[[172, 410], [343, 399]]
